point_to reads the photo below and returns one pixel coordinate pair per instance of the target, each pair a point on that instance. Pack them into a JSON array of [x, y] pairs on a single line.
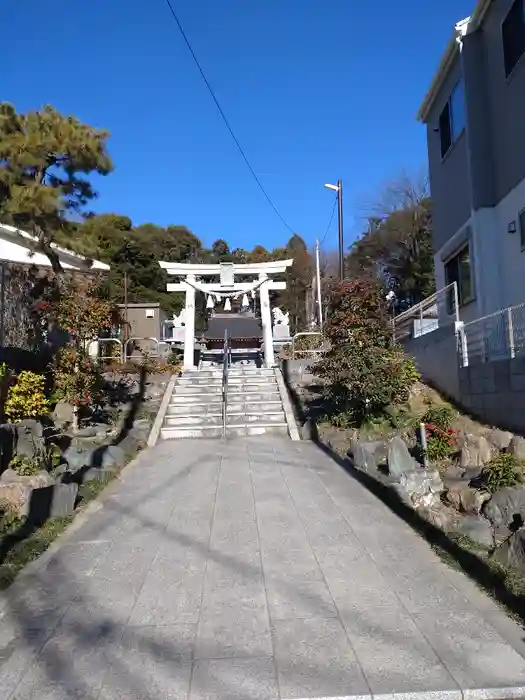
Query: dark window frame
[[513, 36], [521, 224], [447, 133], [449, 279]]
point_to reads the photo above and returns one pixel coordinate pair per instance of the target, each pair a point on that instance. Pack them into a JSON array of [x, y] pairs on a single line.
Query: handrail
[[225, 366]]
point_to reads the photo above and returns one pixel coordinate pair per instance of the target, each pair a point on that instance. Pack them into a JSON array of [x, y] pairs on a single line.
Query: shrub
[[25, 466], [363, 372], [441, 416], [503, 470], [9, 519], [27, 397], [441, 443]]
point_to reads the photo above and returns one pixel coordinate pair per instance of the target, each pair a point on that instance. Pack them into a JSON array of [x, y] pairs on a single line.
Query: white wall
[[498, 262], [17, 253], [511, 256]]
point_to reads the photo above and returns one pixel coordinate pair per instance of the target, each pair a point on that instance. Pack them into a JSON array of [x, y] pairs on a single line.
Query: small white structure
[[226, 288], [280, 319], [179, 320], [18, 246]]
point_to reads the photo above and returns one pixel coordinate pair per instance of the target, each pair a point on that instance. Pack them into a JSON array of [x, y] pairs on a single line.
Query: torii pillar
[[189, 326], [266, 320]]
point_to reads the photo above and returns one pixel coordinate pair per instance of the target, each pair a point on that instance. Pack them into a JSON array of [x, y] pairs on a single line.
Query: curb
[[163, 409]]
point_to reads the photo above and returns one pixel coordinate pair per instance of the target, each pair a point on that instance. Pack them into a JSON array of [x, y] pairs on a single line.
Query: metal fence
[[499, 336], [311, 344], [437, 311]]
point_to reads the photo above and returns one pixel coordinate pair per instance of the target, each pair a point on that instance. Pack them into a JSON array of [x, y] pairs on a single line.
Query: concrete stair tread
[[216, 431]]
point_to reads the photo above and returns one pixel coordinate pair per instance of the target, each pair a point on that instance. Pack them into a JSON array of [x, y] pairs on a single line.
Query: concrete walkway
[[258, 570]]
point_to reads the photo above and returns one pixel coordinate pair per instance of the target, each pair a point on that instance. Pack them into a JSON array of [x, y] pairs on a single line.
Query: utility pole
[[340, 221], [318, 278], [126, 328], [339, 189]]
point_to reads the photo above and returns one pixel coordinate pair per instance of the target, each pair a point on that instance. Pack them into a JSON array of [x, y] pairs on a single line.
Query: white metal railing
[[439, 310], [157, 353], [498, 336], [226, 359], [308, 351]]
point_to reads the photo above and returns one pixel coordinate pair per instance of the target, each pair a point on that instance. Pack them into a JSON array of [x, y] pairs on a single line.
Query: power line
[[224, 118], [329, 222]]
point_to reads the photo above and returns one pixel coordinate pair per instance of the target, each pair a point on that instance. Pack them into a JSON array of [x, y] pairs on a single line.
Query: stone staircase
[[254, 404]]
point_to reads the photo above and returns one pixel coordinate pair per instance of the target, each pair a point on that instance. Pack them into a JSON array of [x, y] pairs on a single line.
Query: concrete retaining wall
[[493, 392], [437, 359]]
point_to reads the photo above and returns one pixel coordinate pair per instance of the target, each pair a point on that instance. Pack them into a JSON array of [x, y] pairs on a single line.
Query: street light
[[339, 189]]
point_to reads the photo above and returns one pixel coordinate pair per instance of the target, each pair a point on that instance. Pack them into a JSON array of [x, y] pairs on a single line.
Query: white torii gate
[[226, 287]]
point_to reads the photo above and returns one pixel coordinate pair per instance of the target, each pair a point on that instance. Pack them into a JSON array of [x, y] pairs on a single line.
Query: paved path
[[256, 570]]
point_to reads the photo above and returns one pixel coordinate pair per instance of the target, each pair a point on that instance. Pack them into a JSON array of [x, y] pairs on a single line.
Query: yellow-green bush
[[26, 398]]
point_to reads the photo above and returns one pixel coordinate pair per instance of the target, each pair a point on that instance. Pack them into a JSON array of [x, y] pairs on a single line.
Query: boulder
[[7, 442], [308, 430], [436, 515], [476, 451], [78, 457], [399, 458], [89, 431], [477, 528], [506, 507], [98, 474], [512, 551], [41, 478], [517, 447], [501, 439], [422, 487], [29, 438], [367, 456], [114, 455], [466, 499], [63, 414], [54, 501], [16, 496]]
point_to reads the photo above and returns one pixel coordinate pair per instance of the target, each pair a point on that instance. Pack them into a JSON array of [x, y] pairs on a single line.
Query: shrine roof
[[237, 325]]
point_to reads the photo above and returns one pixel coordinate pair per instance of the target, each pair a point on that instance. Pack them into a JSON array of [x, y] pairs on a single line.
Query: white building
[[17, 246]]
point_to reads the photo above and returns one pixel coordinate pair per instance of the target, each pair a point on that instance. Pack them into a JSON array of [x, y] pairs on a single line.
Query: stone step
[[251, 387], [233, 397], [216, 431], [248, 372], [215, 408], [233, 420], [217, 381]]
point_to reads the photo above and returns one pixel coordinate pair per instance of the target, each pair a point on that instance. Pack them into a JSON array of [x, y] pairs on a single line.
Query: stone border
[[287, 406], [517, 693], [153, 437]]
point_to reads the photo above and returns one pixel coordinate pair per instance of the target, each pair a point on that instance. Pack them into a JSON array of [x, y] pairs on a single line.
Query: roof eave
[[450, 54], [466, 26]]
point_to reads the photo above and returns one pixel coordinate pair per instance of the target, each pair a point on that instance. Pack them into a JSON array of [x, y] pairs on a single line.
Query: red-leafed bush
[[363, 371]]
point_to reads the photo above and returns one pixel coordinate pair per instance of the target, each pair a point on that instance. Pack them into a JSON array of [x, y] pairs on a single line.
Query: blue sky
[[314, 90]]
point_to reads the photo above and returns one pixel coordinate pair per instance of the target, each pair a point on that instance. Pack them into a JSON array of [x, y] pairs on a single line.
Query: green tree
[[363, 373], [45, 158], [298, 284], [220, 249], [397, 246]]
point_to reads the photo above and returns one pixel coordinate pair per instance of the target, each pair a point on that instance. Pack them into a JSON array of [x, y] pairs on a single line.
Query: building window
[[522, 227], [458, 269], [513, 32], [452, 120]]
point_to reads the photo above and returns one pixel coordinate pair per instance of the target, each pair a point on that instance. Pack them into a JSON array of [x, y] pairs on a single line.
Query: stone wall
[[495, 392], [437, 360]]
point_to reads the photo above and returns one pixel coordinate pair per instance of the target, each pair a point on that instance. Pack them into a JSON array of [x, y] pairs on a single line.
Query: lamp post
[[339, 189]]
